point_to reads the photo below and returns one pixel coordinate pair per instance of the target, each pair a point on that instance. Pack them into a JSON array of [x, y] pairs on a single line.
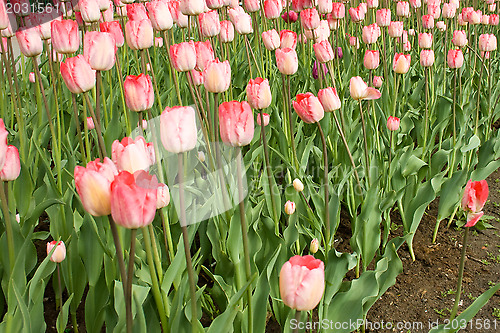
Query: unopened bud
[[297, 185], [314, 247]]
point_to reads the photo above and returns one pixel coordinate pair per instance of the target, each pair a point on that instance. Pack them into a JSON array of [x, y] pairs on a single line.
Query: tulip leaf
[[62, 318], [338, 265], [451, 192], [23, 190], [412, 165], [474, 142]]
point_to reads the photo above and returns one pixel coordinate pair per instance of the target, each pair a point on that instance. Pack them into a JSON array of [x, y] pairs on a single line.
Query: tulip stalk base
[[460, 276], [8, 226], [327, 193], [268, 171]]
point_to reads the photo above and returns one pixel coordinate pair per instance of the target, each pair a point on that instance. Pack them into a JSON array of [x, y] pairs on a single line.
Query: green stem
[[156, 257], [460, 275], [127, 289], [60, 287], [327, 193], [426, 124], [478, 96], [367, 159], [125, 109], [100, 138], [297, 320], [78, 128], [8, 226], [290, 125]]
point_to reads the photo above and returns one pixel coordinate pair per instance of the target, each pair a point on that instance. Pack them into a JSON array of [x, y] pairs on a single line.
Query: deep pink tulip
[[308, 107], [99, 50], [217, 76], [139, 34], [455, 58], [12, 165], [65, 36], [59, 253], [259, 93], [209, 23], [133, 199], [115, 29], [137, 11], [178, 129], [401, 63], [290, 16], [132, 154], [29, 41], [271, 39], [89, 10], [204, 54], [309, 18], [302, 282], [329, 99], [183, 56], [272, 9], [473, 200], [139, 94], [392, 123], [287, 61], [288, 39], [372, 59], [359, 89], [77, 74], [236, 123], [383, 17], [93, 186], [160, 16], [226, 34]]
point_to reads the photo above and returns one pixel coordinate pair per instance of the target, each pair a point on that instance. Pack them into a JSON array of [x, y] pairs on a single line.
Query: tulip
[[192, 7], [266, 118], [201, 156], [314, 246], [183, 56], [492, 7], [241, 20], [115, 29], [401, 63], [272, 9], [308, 107], [204, 54], [139, 94], [338, 10], [396, 29], [297, 185], [449, 10], [383, 17], [415, 3], [179, 18], [12, 165], [302, 282], [455, 58], [315, 73], [354, 42], [59, 253], [160, 16], [226, 34], [441, 26], [324, 52], [89, 10], [487, 42], [372, 59], [403, 9], [393, 123], [359, 89], [77, 74], [371, 33], [139, 34], [427, 21], [377, 81], [325, 6], [271, 39], [434, 10], [252, 6], [99, 50], [407, 47], [259, 93], [289, 207], [287, 61], [290, 16], [132, 155], [178, 129], [29, 41], [90, 123], [93, 186], [65, 36], [133, 199], [236, 123], [196, 77], [426, 58], [459, 38], [217, 76], [309, 18], [329, 99], [288, 39], [473, 200], [209, 23], [425, 40], [3, 143], [137, 12], [357, 14], [474, 17], [494, 19], [162, 196], [4, 17]]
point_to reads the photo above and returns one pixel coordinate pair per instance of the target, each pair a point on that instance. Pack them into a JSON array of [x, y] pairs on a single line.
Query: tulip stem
[[290, 123], [367, 159], [479, 95], [327, 193], [248, 57], [8, 225], [426, 123], [125, 109], [78, 128], [189, 264], [127, 288], [253, 55], [268, 171], [154, 79], [60, 286], [297, 320], [452, 166], [244, 228], [172, 71], [460, 275], [100, 139]]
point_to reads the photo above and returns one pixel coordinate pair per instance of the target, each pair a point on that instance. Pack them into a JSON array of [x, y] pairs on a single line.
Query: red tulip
[[393, 123], [455, 58], [372, 59], [473, 200], [204, 54], [271, 39], [259, 93], [77, 74], [99, 50], [360, 90], [323, 51], [29, 41], [93, 186], [65, 36], [236, 123], [133, 199], [329, 99], [12, 165], [290, 16], [139, 34], [287, 61], [178, 129], [308, 107], [59, 253], [302, 282], [132, 155], [183, 56], [115, 29], [160, 16]]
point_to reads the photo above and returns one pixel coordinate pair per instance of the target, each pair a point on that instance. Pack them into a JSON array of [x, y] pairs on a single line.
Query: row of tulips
[[124, 71]]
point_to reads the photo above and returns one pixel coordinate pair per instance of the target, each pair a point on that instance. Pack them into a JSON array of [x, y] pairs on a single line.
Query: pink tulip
[[136, 12], [383, 17], [333, 23], [329, 99], [426, 58], [115, 29], [179, 18], [77, 74], [324, 52], [139, 34], [487, 42], [178, 129], [132, 155], [403, 9], [308, 107], [401, 63], [288, 39], [241, 20], [138, 91], [160, 16], [428, 21], [99, 50], [302, 282], [455, 58], [252, 6], [12, 165], [459, 38], [425, 40], [11, 29], [259, 93], [321, 33], [3, 143], [65, 36], [196, 77], [4, 18], [133, 199], [183, 56], [59, 253], [192, 7], [377, 81], [371, 33], [226, 34], [217, 76], [393, 123], [236, 123], [287, 61], [90, 123], [89, 10], [266, 118], [289, 207], [359, 89], [338, 11], [158, 42], [162, 196], [372, 59], [473, 200], [29, 41], [449, 10], [272, 9], [271, 39], [325, 6], [441, 26], [209, 23], [396, 29], [434, 10], [357, 14], [31, 77], [309, 18], [415, 3], [93, 186], [204, 54], [354, 41]]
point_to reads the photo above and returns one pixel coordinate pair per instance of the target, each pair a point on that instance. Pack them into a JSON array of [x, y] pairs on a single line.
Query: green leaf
[[413, 164], [451, 192], [62, 318], [474, 142], [23, 190]]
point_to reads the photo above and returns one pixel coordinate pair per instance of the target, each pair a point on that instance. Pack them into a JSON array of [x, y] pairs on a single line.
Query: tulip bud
[[297, 185], [473, 200], [266, 118], [12, 165], [201, 156], [314, 247], [162, 196], [377, 81], [59, 253], [372, 59], [90, 123], [31, 77], [289, 207], [393, 123]]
